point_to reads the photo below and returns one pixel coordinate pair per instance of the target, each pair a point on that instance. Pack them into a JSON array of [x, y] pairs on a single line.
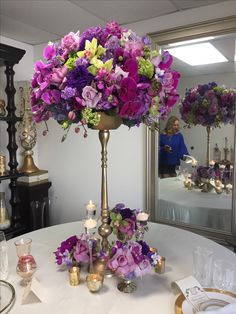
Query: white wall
[[74, 166]]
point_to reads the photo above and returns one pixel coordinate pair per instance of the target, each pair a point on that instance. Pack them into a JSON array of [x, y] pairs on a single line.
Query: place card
[[34, 292], [192, 290]]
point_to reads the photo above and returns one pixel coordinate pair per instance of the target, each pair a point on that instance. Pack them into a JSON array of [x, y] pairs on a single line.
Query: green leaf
[[113, 216]]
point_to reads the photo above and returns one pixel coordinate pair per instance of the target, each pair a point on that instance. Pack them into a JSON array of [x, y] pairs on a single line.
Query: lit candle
[[90, 206], [90, 223], [142, 216], [94, 282]]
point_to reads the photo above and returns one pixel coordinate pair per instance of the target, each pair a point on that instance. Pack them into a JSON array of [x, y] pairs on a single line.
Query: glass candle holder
[[90, 225], [26, 265], [90, 209], [94, 282], [160, 266], [74, 276], [142, 227]]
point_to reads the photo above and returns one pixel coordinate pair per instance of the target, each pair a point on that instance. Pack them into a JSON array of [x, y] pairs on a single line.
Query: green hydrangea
[[145, 67], [90, 117]]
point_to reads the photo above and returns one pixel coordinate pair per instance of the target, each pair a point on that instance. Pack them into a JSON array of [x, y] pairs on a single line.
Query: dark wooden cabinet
[[20, 195], [27, 194], [9, 56]]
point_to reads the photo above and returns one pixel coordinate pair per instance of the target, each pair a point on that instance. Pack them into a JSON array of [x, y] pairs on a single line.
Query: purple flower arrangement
[[208, 105], [104, 69]]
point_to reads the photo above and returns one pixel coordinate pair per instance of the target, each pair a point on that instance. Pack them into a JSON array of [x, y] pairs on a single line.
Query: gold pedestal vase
[[106, 123], [127, 286]]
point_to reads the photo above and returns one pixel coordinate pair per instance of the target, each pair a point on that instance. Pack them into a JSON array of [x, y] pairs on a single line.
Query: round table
[[153, 295]]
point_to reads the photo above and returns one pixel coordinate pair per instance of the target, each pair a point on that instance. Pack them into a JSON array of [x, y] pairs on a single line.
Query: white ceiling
[[38, 21]]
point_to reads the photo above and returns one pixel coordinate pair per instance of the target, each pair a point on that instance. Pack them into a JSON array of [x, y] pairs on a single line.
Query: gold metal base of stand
[[28, 165]]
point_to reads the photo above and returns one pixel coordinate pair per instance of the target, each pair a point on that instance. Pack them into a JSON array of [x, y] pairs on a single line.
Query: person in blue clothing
[[171, 148]]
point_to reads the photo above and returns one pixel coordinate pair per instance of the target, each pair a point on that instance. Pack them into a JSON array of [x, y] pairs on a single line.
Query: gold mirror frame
[[211, 28]]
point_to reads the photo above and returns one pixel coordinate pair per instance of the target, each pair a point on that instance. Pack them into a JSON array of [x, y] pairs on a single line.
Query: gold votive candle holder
[[74, 275], [94, 282], [160, 266], [2, 164]]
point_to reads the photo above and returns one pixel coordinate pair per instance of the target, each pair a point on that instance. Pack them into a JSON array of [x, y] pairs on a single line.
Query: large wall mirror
[[210, 214]]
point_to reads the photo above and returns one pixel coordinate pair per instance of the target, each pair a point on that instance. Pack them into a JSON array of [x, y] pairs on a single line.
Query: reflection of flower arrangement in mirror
[[208, 105], [108, 69]]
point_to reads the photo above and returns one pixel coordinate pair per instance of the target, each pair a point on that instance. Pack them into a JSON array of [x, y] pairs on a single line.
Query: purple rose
[[122, 263], [91, 96], [81, 253]]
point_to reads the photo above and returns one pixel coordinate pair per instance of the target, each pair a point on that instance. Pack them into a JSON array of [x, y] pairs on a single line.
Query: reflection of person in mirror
[[171, 148]]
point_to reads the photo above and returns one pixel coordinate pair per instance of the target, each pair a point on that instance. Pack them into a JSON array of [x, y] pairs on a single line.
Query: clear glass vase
[[26, 265]]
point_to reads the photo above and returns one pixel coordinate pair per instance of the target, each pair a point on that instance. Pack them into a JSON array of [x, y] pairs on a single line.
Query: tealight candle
[[142, 216], [90, 223], [90, 206], [74, 276]]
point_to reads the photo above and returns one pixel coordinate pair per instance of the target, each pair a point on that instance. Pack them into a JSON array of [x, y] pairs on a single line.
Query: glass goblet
[[26, 265], [177, 170]]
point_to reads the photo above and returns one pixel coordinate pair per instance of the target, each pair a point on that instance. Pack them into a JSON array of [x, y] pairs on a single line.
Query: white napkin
[[228, 309]]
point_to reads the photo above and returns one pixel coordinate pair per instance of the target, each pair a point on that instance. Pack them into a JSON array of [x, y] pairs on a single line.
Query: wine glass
[[177, 170], [3, 257], [26, 265]]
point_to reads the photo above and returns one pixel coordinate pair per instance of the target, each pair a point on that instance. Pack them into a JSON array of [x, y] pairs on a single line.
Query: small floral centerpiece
[[123, 222], [132, 259], [74, 251], [104, 69], [208, 105]]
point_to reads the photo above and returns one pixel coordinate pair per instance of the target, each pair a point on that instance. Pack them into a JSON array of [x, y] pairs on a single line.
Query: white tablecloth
[[153, 295], [177, 203]]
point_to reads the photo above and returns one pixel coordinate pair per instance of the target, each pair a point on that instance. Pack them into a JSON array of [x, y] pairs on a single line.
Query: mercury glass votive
[[94, 282], [74, 276], [160, 266]]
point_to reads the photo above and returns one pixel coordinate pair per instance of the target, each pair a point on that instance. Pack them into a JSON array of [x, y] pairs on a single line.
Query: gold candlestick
[[208, 146], [105, 229]]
